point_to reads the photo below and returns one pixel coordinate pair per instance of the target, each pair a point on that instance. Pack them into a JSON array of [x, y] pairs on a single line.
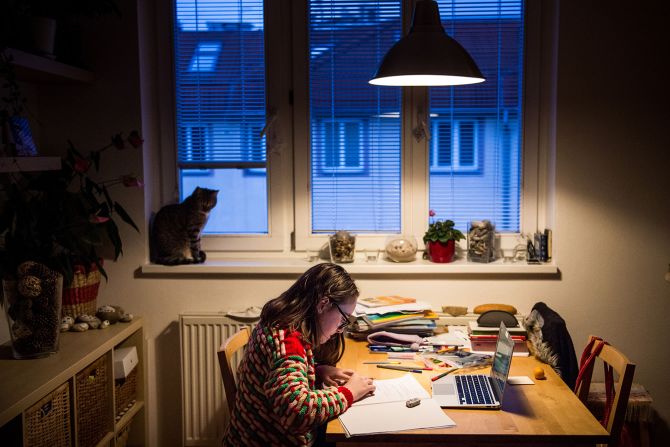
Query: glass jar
[[342, 247], [481, 241], [32, 304], [401, 248]]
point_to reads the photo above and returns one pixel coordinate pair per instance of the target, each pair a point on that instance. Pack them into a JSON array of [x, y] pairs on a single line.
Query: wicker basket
[[93, 398], [47, 423], [125, 392], [80, 296]]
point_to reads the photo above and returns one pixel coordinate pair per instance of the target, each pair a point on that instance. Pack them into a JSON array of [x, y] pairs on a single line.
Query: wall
[[611, 209]]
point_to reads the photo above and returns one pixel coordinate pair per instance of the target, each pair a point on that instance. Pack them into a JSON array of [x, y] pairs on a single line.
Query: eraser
[[413, 402]]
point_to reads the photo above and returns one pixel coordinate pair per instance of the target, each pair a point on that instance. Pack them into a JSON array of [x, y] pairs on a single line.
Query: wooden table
[[544, 414]]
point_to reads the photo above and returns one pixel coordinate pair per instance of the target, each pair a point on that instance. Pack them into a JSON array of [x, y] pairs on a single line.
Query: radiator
[[205, 414]]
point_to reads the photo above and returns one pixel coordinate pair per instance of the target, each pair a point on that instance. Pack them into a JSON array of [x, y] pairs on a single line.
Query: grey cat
[[177, 228]]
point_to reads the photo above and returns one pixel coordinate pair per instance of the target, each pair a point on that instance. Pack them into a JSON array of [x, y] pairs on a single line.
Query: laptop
[[478, 390]]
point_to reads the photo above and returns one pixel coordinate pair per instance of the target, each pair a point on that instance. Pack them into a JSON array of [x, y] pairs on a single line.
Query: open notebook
[[386, 412]]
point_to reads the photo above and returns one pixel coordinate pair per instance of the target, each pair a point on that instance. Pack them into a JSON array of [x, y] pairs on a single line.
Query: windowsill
[[283, 266]]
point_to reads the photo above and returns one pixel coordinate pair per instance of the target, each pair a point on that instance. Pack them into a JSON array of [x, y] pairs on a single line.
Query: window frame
[[287, 143]]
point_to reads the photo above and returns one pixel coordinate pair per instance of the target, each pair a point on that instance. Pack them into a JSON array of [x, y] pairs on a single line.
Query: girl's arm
[[288, 388]]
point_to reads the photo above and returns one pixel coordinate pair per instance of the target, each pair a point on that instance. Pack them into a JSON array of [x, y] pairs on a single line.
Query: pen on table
[[439, 376], [401, 368], [381, 363]]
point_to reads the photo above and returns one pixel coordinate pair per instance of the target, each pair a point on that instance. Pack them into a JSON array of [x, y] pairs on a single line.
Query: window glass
[[220, 109], [475, 170], [355, 127]]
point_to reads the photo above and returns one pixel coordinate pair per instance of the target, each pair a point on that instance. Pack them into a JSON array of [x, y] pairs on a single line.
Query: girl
[[283, 396]]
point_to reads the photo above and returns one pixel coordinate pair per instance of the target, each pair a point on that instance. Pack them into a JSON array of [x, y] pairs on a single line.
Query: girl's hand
[[332, 375], [360, 386]]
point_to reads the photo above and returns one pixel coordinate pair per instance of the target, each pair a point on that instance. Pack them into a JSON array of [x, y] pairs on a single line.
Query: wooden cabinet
[[31, 386]]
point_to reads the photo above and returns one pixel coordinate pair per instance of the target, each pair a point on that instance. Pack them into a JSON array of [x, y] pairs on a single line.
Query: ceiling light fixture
[[427, 56]]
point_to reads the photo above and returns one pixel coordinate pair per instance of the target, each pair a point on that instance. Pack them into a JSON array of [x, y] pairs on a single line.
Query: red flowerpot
[[441, 251]]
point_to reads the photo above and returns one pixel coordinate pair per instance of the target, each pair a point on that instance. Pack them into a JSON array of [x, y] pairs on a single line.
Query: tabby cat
[[177, 228]]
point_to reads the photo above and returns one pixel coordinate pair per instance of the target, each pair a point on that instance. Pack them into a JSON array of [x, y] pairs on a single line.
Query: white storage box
[[125, 360]]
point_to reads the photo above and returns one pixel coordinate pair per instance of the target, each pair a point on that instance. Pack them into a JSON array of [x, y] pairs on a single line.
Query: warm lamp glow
[[427, 56]]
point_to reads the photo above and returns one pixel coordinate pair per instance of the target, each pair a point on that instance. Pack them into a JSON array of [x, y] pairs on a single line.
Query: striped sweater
[[277, 400]]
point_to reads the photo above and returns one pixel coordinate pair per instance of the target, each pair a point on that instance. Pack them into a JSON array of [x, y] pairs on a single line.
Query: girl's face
[[333, 317]]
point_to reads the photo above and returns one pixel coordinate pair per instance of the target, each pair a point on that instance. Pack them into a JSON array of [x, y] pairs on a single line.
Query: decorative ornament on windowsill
[[401, 248], [342, 246], [440, 239]]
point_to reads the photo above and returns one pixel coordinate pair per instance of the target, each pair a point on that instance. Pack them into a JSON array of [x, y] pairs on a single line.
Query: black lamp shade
[[427, 56]]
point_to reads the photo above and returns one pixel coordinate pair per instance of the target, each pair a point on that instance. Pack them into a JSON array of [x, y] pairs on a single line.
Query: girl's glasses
[[347, 320]]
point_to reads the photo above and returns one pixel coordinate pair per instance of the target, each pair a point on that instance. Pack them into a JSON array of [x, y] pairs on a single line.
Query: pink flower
[[95, 219], [431, 213], [135, 140], [117, 141], [130, 181], [81, 165]]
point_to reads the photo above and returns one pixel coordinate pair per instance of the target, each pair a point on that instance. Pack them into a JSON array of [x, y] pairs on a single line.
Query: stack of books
[[484, 339], [394, 314]]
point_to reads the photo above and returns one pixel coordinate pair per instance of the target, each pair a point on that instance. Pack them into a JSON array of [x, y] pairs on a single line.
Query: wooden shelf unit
[[25, 382], [33, 68]]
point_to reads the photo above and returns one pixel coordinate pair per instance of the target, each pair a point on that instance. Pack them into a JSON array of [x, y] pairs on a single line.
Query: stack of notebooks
[[394, 314], [484, 339]]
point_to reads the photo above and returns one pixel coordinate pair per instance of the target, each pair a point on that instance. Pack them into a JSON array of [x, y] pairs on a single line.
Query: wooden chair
[[623, 380], [226, 355]]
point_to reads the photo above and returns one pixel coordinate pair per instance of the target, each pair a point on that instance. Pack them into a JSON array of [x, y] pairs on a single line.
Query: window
[[296, 140], [455, 147], [340, 147]]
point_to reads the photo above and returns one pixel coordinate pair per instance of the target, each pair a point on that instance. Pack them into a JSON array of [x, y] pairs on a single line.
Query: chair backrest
[[226, 354], [624, 370]]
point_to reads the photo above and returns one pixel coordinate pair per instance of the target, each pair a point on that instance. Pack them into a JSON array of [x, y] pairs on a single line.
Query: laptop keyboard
[[473, 389]]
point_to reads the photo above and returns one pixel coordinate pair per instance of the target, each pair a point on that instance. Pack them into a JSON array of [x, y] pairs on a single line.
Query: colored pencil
[[401, 368], [439, 376], [381, 363]]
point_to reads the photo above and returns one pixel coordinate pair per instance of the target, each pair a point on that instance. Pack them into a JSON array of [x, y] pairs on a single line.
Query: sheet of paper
[[392, 417], [446, 339], [520, 380], [395, 390], [409, 307]]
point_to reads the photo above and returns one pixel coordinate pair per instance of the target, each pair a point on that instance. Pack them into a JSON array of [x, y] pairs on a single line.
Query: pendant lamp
[[427, 56]]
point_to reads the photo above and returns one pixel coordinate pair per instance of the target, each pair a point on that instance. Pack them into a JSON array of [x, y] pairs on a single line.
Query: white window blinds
[[355, 127], [475, 169], [220, 109]]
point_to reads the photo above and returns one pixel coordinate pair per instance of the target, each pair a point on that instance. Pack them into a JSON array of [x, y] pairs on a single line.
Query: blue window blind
[[355, 127], [475, 171], [220, 109]]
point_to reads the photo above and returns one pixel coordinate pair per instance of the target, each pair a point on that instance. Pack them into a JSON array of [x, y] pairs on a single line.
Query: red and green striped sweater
[[277, 400]]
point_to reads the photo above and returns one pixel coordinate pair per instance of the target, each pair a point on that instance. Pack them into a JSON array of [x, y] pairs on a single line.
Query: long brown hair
[[296, 309]]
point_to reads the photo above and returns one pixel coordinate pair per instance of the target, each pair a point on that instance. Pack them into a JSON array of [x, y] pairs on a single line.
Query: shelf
[[30, 67], [25, 164], [279, 266], [106, 440], [27, 381], [130, 414]]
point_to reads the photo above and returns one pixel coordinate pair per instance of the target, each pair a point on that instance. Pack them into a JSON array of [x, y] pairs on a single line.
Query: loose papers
[[386, 412]]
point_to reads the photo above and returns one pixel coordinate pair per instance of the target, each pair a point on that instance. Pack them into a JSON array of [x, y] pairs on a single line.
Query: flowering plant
[[441, 231], [64, 217]]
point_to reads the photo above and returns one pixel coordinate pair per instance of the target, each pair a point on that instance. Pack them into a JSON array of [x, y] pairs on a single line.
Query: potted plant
[[57, 223], [440, 239]]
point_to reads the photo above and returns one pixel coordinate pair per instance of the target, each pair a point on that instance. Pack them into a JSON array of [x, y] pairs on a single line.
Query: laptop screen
[[502, 360]]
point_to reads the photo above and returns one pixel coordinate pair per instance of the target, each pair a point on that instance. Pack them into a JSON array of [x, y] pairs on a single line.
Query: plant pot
[[43, 35], [32, 304], [81, 295], [441, 251]]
